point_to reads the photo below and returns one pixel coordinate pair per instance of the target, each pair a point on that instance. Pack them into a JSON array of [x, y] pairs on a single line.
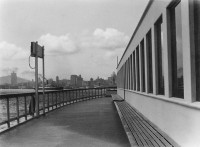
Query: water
[[12, 102]]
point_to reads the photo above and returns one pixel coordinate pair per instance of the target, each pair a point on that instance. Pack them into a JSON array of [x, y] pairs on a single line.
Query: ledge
[[174, 100]]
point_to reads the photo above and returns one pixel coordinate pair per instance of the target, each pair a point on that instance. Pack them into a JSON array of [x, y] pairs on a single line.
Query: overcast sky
[[80, 36]]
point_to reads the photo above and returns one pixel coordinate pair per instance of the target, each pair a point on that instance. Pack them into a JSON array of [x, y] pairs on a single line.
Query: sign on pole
[[37, 51]]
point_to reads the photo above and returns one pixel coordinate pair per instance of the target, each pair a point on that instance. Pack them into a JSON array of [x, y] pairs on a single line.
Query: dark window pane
[[129, 67], [134, 74], [176, 51], [197, 46], [159, 48], [142, 65], [138, 68], [131, 73], [149, 62]]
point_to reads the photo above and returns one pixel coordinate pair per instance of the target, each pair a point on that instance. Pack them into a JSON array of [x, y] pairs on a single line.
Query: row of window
[[137, 72]]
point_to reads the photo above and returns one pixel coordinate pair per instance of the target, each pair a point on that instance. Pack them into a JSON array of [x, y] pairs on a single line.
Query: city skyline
[[13, 81], [76, 41], [57, 78]]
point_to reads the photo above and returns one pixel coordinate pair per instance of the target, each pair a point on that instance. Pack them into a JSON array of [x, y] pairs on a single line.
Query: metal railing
[[20, 108]]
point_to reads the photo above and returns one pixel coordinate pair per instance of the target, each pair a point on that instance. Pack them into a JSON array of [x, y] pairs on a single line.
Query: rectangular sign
[[40, 51], [37, 50]]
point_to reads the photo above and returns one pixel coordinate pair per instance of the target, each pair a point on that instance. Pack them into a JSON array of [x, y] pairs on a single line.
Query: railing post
[[85, 94], [82, 95], [56, 99], [63, 94], [59, 99], [51, 101], [17, 108], [76, 94], [89, 94], [72, 96], [25, 108], [69, 96], [44, 97], [48, 101], [8, 112], [92, 93], [79, 97]]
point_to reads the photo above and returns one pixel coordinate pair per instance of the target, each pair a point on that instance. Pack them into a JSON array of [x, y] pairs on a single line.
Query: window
[[128, 73], [138, 68], [126, 68], [142, 65], [131, 73], [134, 71], [176, 51], [149, 62], [197, 46], [123, 74], [159, 49]]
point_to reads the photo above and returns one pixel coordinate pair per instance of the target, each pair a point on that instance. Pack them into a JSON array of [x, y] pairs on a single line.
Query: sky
[[79, 36]]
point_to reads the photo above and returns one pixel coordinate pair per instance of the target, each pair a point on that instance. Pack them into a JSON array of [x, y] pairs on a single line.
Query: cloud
[[11, 51], [58, 45], [110, 39]]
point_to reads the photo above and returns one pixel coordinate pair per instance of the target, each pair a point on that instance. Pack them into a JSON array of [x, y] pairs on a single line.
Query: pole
[[117, 61], [43, 83], [36, 82]]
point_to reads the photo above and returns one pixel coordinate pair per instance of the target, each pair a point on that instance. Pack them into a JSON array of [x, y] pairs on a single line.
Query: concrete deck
[[93, 123]]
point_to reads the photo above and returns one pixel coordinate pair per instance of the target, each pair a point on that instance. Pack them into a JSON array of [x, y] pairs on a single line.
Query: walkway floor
[[93, 123]]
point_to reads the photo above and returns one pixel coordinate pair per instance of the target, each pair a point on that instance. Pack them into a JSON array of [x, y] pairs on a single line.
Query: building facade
[[76, 81], [159, 72]]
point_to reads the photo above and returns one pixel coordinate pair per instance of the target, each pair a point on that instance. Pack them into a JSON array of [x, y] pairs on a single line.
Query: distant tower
[[57, 80], [13, 78]]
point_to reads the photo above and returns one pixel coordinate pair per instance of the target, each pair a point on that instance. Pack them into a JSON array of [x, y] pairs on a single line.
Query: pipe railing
[[20, 108]]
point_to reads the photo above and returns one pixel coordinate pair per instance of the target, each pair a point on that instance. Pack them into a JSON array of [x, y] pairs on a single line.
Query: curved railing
[[17, 109]]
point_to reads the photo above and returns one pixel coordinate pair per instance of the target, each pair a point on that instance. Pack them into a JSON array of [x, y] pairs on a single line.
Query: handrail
[[2, 96], [21, 105]]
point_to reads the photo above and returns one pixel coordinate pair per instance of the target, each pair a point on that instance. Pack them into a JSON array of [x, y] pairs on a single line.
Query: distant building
[[91, 83], [13, 78], [79, 81], [76, 81], [73, 80], [57, 80]]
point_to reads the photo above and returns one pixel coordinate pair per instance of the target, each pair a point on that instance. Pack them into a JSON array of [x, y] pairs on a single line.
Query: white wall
[[179, 120]]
